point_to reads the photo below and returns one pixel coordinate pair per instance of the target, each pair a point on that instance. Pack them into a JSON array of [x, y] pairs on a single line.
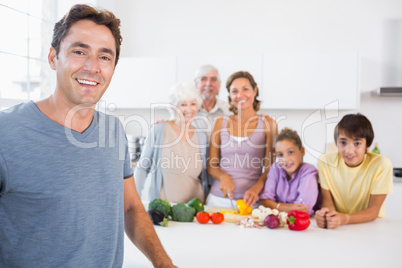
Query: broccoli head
[[183, 213], [161, 205]]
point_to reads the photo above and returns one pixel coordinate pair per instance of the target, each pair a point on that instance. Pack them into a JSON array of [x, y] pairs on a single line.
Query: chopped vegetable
[[271, 221], [202, 217], [157, 217], [217, 218], [161, 205], [182, 213], [248, 223], [243, 208], [196, 204], [298, 220], [227, 211]]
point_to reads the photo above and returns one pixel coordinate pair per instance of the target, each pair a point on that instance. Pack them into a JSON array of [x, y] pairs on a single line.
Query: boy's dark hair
[[85, 12], [291, 135], [250, 78], [356, 126]]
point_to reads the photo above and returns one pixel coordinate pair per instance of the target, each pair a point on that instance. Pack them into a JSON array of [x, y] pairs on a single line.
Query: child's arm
[[286, 207], [334, 219]]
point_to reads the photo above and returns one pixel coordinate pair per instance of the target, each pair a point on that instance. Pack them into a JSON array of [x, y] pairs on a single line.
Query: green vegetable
[[158, 218], [196, 204], [161, 205], [183, 213]]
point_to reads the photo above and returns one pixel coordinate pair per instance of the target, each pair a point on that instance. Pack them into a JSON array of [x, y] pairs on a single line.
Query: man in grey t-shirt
[[66, 182]]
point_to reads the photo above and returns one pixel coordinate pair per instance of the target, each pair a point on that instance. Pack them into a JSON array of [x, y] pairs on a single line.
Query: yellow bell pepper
[[243, 208]]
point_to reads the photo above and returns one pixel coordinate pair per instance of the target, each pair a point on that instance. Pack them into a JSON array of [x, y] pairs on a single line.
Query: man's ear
[[52, 58]]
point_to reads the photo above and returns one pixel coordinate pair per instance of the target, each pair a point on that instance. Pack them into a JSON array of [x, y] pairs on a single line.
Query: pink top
[[241, 158]]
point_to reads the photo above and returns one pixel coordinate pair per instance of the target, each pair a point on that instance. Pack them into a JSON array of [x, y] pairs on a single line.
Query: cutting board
[[229, 217]]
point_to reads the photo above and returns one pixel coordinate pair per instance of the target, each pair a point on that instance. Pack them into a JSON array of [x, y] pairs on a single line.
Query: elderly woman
[[174, 153], [241, 149]]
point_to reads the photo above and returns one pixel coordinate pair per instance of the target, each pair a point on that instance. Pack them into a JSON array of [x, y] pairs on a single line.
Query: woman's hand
[[226, 186]]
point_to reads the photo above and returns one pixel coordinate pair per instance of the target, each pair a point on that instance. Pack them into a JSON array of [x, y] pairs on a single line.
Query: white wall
[[212, 27]]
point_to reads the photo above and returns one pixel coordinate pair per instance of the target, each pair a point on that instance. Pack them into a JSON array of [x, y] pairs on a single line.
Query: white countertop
[[373, 244]]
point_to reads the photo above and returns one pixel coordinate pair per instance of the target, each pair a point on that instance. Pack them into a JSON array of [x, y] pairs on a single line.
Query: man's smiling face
[[85, 63]]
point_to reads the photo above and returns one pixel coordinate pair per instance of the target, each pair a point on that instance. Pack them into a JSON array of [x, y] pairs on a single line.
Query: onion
[[271, 221]]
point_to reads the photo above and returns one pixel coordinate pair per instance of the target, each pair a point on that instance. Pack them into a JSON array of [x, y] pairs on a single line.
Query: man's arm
[[139, 228]]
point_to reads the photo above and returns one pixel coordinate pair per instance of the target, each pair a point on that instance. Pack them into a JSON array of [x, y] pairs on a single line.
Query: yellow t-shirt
[[351, 187]]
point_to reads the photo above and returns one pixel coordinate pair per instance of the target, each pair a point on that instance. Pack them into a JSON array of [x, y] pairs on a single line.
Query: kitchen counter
[[373, 244]]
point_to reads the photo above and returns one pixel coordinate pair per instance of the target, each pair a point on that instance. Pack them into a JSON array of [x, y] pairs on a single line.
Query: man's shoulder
[[15, 114], [16, 110], [222, 105]]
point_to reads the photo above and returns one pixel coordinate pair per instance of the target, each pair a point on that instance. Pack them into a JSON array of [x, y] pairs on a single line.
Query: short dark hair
[[291, 135], [250, 78], [357, 126], [86, 12]]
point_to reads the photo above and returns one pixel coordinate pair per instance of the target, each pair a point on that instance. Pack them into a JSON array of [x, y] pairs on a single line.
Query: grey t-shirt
[[61, 192]]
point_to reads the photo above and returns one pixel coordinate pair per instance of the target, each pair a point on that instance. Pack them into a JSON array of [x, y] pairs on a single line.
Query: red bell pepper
[[298, 220]]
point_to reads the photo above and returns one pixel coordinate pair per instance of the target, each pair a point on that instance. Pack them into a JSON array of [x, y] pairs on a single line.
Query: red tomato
[[202, 217], [217, 217]]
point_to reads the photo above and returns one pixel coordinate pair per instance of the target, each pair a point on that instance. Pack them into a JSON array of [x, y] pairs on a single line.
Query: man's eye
[[105, 58], [214, 79], [357, 143], [203, 78], [290, 152], [78, 52]]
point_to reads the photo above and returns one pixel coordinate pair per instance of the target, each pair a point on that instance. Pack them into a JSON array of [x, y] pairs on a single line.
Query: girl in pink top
[[291, 184], [241, 148]]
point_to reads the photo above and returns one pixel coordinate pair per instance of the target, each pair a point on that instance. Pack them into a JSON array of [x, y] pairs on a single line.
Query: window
[[26, 31]]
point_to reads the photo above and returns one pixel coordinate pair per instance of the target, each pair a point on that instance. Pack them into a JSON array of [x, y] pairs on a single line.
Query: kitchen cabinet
[[310, 80], [286, 80], [141, 82]]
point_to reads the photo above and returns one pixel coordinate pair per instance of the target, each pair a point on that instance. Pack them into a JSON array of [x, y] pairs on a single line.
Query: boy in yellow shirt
[[354, 182]]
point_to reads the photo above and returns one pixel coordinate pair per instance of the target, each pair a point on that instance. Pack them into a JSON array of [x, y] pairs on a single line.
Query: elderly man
[[208, 81]]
